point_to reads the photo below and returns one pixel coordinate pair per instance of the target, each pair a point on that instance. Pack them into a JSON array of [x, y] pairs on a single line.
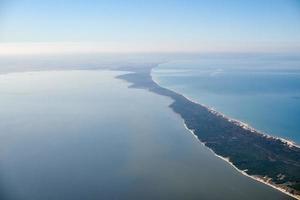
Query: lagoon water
[[85, 135], [261, 91]]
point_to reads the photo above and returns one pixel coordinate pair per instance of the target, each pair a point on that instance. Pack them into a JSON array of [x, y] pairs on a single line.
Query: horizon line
[[46, 48]]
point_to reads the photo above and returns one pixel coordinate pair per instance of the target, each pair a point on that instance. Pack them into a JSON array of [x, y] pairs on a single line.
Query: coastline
[[243, 172], [245, 126], [260, 179], [226, 137], [232, 120]]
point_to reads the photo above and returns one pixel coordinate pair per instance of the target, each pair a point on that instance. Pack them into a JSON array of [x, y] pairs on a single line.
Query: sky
[[57, 26]]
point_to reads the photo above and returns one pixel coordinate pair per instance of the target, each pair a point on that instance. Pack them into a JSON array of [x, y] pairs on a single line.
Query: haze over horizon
[[52, 26], [149, 99]]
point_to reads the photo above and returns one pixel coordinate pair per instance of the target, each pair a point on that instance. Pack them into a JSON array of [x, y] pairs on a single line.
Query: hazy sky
[[153, 25]]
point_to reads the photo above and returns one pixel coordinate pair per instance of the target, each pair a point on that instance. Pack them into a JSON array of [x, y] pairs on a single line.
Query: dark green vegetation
[[265, 157]]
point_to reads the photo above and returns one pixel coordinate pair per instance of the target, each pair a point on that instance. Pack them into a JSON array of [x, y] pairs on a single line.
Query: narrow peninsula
[[268, 159]]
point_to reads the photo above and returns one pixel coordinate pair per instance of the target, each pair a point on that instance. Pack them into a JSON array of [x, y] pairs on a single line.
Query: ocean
[[262, 91]]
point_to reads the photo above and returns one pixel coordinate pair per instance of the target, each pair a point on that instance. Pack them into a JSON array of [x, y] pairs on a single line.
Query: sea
[[78, 134], [262, 91]]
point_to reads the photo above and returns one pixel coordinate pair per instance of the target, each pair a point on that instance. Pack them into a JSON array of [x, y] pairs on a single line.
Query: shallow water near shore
[[263, 94], [86, 135]]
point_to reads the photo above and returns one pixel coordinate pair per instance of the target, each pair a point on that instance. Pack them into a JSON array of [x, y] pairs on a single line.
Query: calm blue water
[[76, 135], [263, 92]]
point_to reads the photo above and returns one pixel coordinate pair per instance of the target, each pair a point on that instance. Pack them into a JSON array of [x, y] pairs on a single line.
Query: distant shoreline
[[181, 104]]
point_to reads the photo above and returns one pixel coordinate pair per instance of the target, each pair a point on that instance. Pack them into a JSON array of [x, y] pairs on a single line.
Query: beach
[[247, 133]]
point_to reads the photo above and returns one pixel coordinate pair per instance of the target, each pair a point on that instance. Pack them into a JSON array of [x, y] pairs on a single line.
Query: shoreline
[[244, 126], [232, 120], [243, 172]]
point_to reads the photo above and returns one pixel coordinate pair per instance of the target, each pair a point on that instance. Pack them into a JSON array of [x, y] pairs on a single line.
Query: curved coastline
[[245, 126], [243, 172], [232, 120], [198, 118], [236, 122]]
